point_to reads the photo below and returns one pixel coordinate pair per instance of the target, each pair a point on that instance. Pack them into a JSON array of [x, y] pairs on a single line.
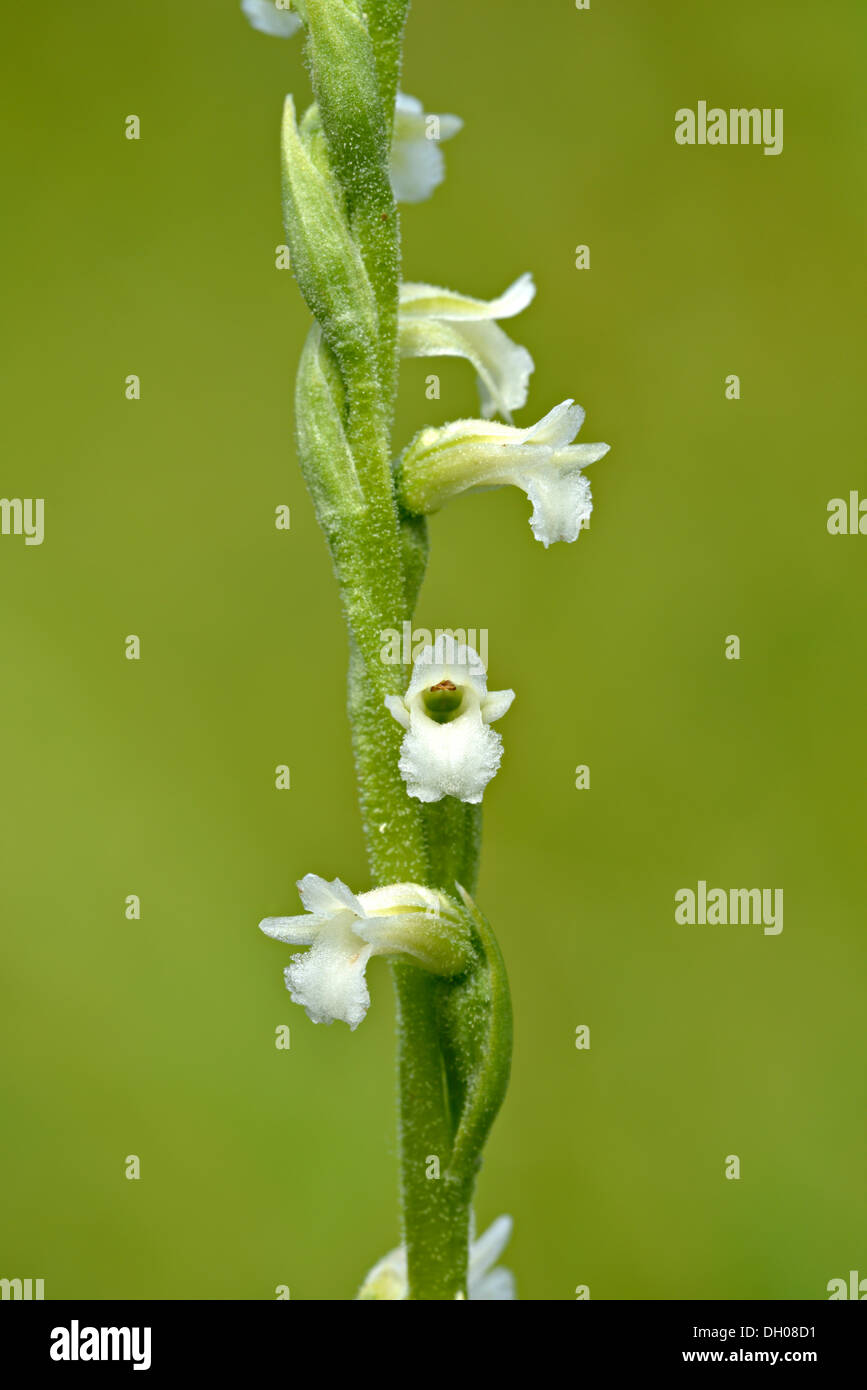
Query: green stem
[[385, 20], [436, 1212], [454, 831], [344, 235]]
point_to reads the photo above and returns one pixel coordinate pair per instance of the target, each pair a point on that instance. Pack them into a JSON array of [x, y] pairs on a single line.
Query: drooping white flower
[[388, 1279], [469, 455], [449, 748], [344, 930], [272, 17], [417, 163], [439, 323]]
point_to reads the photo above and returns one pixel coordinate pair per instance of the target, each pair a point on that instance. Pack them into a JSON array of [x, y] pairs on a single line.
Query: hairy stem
[[435, 1209], [344, 235]]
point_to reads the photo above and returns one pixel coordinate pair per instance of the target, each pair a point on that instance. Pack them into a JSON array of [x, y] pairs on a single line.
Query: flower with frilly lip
[[449, 748], [471, 455], [344, 930], [388, 1279]]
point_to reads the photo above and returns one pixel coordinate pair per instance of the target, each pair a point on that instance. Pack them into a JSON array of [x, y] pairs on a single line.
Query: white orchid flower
[[417, 163], [439, 323], [469, 455], [449, 748], [388, 1279], [345, 930], [272, 17]]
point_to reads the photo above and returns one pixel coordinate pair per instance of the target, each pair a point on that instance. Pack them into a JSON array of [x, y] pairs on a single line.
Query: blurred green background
[[263, 1167]]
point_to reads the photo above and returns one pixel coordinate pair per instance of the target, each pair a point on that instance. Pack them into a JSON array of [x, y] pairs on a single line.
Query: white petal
[[502, 366], [265, 16], [554, 431], [504, 369], [417, 168], [515, 299], [417, 164], [434, 942], [410, 120], [450, 126], [326, 899], [401, 898], [558, 428], [485, 1251], [484, 1283], [441, 323], [580, 455], [388, 1279], [396, 705], [406, 108], [495, 704], [405, 935], [456, 759], [329, 979], [447, 659], [561, 503], [463, 434], [432, 301], [498, 1285], [298, 931]]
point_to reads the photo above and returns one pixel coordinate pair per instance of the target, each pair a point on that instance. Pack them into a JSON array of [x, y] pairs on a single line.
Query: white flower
[[388, 1279], [439, 323], [345, 930], [449, 748], [473, 454], [272, 17], [417, 164]]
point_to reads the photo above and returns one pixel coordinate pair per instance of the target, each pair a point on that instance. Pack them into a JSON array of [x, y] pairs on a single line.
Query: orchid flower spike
[[345, 930], [439, 323], [417, 163], [273, 17], [449, 748], [388, 1279], [469, 455]]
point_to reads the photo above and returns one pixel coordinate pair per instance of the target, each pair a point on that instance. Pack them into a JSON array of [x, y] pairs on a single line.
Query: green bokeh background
[[262, 1167]]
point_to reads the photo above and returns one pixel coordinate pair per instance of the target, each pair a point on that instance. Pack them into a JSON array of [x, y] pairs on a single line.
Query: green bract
[[326, 259]]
